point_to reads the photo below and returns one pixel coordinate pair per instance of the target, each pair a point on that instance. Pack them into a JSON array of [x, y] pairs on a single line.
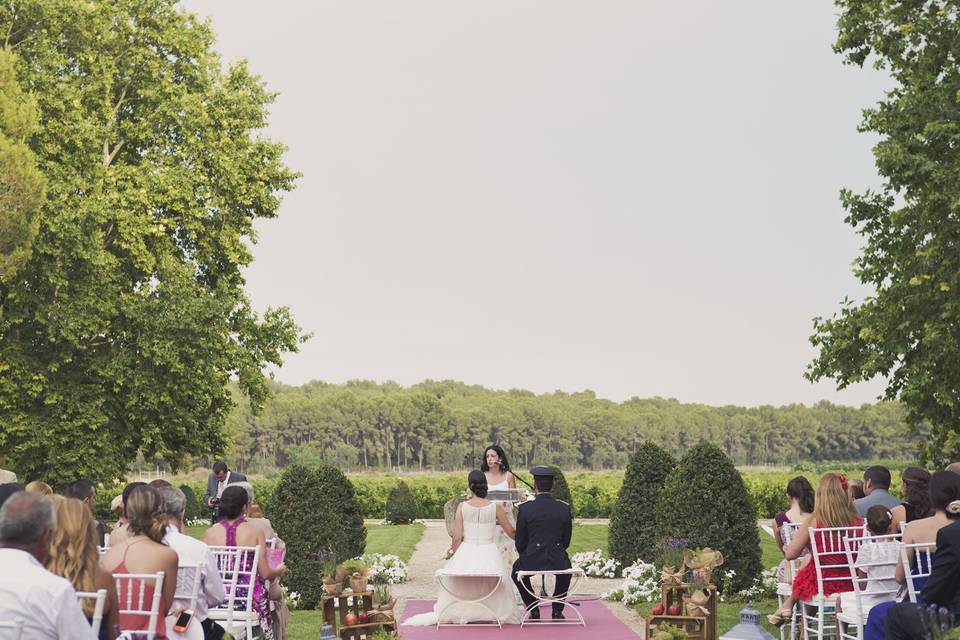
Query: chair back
[[100, 597], [829, 546], [238, 570], [189, 576], [12, 630], [134, 603], [272, 543], [789, 532], [103, 550], [866, 586], [923, 553]]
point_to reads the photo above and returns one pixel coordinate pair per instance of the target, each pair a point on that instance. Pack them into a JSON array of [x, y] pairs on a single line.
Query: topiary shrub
[[313, 509], [193, 509], [401, 505], [561, 491], [705, 502], [633, 525]]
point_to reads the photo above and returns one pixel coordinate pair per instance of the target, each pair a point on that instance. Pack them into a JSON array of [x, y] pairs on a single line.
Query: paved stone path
[[429, 555]]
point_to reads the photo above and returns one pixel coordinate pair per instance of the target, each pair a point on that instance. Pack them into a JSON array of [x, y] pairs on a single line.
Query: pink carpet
[[600, 624]]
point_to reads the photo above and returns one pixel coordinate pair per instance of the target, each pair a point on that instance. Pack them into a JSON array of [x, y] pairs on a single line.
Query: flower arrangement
[[385, 568], [641, 583], [198, 522], [595, 564], [671, 552], [292, 598], [764, 586]]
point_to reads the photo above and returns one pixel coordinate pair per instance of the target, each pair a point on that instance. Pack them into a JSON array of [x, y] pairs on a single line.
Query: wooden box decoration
[[697, 627], [336, 608]]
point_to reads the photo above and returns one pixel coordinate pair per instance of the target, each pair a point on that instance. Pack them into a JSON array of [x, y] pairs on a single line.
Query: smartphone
[[180, 626]]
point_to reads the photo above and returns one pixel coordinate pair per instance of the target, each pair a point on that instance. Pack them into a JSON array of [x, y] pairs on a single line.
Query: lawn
[[588, 537]]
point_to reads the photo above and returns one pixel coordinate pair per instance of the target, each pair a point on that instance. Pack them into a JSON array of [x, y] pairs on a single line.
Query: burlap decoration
[[696, 604], [670, 577], [702, 562], [358, 582]]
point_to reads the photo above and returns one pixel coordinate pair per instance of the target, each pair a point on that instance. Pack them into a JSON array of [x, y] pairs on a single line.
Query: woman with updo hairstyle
[[233, 530], [915, 488], [143, 551], [74, 556], [39, 486]]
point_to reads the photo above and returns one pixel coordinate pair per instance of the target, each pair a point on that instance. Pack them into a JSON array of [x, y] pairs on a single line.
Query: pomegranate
[[364, 617], [350, 619], [657, 610], [674, 610]]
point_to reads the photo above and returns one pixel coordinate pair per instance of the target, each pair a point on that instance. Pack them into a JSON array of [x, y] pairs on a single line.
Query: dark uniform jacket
[[544, 526], [943, 585]]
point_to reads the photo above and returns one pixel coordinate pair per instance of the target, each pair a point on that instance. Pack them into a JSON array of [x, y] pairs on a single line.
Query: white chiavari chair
[[818, 613], [134, 603], [867, 591], [917, 559], [238, 570], [100, 598], [785, 589]]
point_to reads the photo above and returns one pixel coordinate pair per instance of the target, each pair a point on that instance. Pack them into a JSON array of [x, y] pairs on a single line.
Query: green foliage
[[194, 508], [705, 502], [401, 505], [906, 331], [122, 329], [313, 509], [561, 490], [633, 526]]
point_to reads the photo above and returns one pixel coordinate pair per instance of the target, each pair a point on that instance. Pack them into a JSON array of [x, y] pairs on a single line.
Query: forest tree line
[[446, 425]]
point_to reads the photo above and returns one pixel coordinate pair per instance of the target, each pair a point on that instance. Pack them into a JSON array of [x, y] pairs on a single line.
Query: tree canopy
[[908, 331], [120, 332]]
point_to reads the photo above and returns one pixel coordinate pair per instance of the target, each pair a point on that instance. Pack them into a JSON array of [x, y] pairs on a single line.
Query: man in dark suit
[[544, 527], [942, 588], [216, 483], [85, 492]]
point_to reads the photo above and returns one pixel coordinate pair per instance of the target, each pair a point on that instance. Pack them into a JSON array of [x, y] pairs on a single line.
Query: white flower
[[385, 568], [641, 583], [594, 563]]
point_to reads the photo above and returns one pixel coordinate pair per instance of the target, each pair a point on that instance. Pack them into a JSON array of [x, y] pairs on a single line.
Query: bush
[[705, 502], [401, 505], [193, 510], [561, 491], [633, 526], [313, 509]]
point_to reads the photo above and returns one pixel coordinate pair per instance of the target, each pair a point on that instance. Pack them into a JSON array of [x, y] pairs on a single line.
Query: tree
[[401, 505], [122, 329], [908, 331], [705, 502], [633, 523]]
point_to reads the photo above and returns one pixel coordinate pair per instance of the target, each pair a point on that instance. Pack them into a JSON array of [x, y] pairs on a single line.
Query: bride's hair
[[477, 483], [497, 449]]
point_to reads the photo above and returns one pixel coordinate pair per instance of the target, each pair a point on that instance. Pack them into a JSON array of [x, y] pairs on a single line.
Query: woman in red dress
[[832, 507]]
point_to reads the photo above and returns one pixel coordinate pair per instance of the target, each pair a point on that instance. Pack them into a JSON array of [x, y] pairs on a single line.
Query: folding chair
[[238, 570], [850, 622], [452, 581], [818, 614], [11, 630], [131, 593], [923, 553], [100, 596], [785, 589], [542, 598]]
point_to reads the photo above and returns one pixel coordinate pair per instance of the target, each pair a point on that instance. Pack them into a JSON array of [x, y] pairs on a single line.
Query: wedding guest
[[119, 532], [85, 492], [800, 494], [876, 484], [194, 551], [953, 467], [233, 530], [74, 555], [217, 482], [39, 486], [877, 560], [915, 487], [143, 551], [856, 489], [8, 489], [832, 508], [46, 603], [255, 513]]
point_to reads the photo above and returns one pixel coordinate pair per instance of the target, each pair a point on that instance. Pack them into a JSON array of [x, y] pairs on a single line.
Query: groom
[[544, 526]]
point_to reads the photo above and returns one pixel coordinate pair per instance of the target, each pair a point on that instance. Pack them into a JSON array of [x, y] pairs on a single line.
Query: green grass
[[770, 554], [196, 532], [304, 625], [588, 537], [398, 539]]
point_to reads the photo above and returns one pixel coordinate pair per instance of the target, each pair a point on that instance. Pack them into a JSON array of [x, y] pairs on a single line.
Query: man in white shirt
[[47, 604], [216, 483], [191, 550]]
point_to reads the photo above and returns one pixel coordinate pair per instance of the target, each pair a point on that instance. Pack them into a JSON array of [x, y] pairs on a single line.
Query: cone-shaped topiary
[[313, 509], [193, 509], [401, 505], [705, 502], [561, 491], [633, 533]]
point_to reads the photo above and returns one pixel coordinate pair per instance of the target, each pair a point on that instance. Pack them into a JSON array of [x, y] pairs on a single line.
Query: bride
[[475, 550]]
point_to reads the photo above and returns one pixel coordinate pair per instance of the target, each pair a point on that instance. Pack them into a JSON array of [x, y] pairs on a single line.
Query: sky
[[637, 198]]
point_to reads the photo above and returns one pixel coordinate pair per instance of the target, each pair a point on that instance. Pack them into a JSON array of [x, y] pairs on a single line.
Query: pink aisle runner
[[600, 624]]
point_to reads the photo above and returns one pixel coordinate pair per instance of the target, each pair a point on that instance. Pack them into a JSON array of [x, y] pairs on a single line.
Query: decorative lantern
[[327, 633], [749, 626]]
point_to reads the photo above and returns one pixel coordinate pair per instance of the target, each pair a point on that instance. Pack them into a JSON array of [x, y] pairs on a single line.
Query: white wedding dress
[[505, 544], [478, 552]]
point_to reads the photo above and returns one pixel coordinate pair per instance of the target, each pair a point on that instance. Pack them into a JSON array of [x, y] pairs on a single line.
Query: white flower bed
[[765, 586], [595, 564], [641, 583], [385, 568], [198, 522]]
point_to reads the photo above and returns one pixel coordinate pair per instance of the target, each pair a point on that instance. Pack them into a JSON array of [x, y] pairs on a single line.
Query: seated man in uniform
[[544, 526]]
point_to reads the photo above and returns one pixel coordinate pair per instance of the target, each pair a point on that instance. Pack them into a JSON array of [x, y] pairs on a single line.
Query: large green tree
[[123, 328], [908, 331]]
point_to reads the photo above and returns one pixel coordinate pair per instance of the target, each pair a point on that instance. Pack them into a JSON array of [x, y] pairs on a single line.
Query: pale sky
[[638, 198]]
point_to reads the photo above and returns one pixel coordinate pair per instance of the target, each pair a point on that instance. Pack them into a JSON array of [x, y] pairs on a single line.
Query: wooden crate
[[697, 627], [336, 608]]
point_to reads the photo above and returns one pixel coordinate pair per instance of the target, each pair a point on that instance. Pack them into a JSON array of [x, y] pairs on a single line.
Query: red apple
[[674, 609], [350, 619], [364, 617]]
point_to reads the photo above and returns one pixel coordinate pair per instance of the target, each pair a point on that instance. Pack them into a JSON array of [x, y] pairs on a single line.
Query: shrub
[[705, 502], [313, 509], [401, 505], [633, 528], [561, 491], [193, 509]]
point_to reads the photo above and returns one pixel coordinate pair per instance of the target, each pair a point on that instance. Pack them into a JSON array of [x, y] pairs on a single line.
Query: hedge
[[633, 525], [401, 505]]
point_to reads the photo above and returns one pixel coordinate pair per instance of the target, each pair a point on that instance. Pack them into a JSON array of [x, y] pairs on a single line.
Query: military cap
[[545, 472]]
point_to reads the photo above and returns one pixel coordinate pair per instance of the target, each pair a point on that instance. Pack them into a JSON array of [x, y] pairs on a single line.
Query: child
[[877, 561]]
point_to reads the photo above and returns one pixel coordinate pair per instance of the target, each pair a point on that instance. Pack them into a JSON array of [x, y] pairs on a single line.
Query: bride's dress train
[[477, 553]]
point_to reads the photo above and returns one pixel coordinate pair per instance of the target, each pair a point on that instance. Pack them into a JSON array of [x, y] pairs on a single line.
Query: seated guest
[[255, 513], [119, 532], [832, 507], [876, 484], [855, 487], [915, 488], [953, 467], [45, 603], [38, 486], [7, 490], [74, 556], [191, 550], [233, 530], [143, 551], [877, 561], [800, 494], [944, 491], [85, 492]]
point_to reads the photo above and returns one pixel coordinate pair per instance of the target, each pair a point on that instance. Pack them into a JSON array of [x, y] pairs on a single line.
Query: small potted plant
[[382, 598], [699, 597], [332, 582], [671, 561], [356, 572]]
